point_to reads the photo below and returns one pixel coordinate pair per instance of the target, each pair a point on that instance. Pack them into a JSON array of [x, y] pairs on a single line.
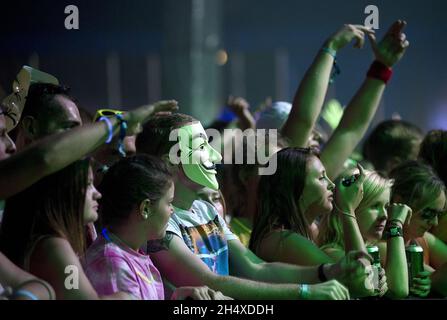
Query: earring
[[146, 214]]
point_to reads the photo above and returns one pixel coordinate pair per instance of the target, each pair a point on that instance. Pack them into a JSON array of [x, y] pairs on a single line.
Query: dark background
[[269, 44]]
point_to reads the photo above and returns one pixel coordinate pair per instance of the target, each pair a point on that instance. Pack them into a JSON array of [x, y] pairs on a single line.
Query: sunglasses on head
[[430, 214], [106, 113]]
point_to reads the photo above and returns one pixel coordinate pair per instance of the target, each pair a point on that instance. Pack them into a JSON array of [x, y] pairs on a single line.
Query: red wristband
[[380, 71]]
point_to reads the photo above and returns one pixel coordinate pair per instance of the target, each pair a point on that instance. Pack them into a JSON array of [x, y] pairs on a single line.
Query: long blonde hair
[[331, 229]]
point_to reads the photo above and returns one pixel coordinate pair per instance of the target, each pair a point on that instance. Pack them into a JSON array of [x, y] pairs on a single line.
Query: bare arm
[[49, 261], [311, 92], [347, 199], [396, 261], [14, 277], [58, 151], [290, 247], [195, 273], [363, 106], [438, 251]]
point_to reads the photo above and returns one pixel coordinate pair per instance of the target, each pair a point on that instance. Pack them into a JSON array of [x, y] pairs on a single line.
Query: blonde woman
[[375, 215]]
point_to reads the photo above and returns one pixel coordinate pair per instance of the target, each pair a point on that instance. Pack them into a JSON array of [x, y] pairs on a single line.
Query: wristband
[[42, 283], [392, 232], [123, 130], [304, 291], [109, 126], [345, 213], [336, 69], [380, 71], [25, 293]]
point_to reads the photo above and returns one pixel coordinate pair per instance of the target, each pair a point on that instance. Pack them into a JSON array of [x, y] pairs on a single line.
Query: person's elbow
[[397, 292]]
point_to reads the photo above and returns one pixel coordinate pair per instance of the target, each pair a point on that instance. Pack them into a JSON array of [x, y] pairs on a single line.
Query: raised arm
[[348, 195], [364, 104], [241, 109], [57, 151], [311, 92]]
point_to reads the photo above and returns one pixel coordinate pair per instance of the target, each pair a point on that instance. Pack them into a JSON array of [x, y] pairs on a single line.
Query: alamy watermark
[[257, 147]]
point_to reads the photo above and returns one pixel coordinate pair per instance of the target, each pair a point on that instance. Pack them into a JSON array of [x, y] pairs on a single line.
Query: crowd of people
[[142, 205]]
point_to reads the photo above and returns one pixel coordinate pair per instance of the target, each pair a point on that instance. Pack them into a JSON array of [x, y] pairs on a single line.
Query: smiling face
[[318, 189], [372, 218], [15, 102], [197, 157], [426, 217]]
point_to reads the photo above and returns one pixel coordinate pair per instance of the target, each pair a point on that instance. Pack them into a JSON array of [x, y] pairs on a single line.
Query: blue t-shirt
[[205, 233]]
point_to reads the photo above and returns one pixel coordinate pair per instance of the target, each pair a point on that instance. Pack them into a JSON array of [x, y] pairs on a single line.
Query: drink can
[[415, 261], [373, 251]]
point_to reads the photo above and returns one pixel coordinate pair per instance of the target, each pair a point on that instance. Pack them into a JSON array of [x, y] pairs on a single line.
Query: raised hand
[[136, 118], [349, 191], [399, 212], [393, 45], [238, 105], [346, 34]]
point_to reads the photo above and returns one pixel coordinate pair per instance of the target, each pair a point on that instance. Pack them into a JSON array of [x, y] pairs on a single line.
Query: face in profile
[[318, 189], [213, 197], [372, 219], [7, 146], [426, 217], [197, 157], [91, 200], [159, 213], [64, 115]]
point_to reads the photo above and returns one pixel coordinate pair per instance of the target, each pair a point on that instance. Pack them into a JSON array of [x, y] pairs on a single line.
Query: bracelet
[[123, 130], [345, 213], [380, 71], [394, 222], [25, 293], [43, 283], [321, 276], [304, 291], [337, 70], [109, 126], [332, 52]]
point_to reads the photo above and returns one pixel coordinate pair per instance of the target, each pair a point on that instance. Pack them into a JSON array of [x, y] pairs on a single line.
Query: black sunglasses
[[430, 214]]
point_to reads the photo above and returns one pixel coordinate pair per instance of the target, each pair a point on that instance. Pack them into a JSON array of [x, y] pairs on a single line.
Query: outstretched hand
[[136, 118], [393, 45], [348, 33]]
